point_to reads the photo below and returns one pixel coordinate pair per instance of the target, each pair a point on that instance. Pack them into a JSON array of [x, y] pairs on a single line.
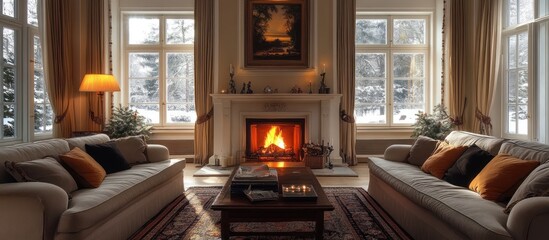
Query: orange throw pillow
[[501, 175], [86, 171], [443, 158]]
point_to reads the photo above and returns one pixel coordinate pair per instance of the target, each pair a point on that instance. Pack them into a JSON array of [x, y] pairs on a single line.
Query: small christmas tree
[[126, 122], [435, 126]]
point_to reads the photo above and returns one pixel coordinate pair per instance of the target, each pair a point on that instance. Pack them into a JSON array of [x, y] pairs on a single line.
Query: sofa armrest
[[528, 219], [157, 153], [397, 152], [31, 210]]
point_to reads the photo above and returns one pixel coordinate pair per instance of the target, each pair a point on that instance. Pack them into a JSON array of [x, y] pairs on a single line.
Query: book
[[260, 195], [253, 172]]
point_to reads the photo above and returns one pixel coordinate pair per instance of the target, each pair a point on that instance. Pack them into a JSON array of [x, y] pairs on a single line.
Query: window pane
[[144, 65], [180, 65], [9, 84], [512, 119], [144, 91], [371, 31], [370, 65], [144, 30], [9, 121], [32, 13], [180, 90], [181, 113], [8, 7], [512, 51], [370, 101], [43, 113], [512, 86], [151, 112], [408, 100], [9, 46], [522, 95], [512, 12], [525, 11], [543, 8], [180, 31], [409, 31], [523, 49], [37, 53], [408, 65], [522, 119]]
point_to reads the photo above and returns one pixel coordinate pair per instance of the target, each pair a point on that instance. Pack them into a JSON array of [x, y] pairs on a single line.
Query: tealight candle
[[223, 91]]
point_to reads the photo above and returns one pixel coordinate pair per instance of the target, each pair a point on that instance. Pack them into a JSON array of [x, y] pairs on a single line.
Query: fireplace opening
[[274, 139]]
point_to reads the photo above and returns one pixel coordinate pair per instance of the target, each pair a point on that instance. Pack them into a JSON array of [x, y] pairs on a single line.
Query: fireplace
[[274, 139]]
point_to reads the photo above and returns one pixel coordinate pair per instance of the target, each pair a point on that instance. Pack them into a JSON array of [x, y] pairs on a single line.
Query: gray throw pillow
[[133, 149], [535, 185], [46, 170], [422, 149]]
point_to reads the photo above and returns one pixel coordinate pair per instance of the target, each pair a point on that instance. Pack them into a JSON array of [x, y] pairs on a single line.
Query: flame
[[274, 138]]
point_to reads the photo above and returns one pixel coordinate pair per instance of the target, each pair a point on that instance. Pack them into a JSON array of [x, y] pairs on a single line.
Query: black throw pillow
[[108, 156], [468, 165]]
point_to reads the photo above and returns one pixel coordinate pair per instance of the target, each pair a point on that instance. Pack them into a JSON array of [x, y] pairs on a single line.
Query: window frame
[[163, 48], [390, 49]]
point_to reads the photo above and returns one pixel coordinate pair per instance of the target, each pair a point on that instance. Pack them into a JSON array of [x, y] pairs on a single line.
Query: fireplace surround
[[318, 111]]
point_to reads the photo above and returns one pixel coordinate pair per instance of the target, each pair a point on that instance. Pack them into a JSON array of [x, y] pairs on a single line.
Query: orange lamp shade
[[99, 83]]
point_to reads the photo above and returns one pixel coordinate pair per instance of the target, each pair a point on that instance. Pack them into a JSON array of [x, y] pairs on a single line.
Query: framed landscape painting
[[276, 33]]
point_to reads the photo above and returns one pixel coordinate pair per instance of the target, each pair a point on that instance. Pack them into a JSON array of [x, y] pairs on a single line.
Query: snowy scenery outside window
[[8, 82], [161, 72], [390, 69]]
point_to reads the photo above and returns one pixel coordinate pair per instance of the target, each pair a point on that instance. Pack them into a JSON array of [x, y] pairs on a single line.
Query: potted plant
[[436, 126], [127, 122]]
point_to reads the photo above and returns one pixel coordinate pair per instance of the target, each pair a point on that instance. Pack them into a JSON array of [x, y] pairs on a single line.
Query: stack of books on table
[[254, 177]]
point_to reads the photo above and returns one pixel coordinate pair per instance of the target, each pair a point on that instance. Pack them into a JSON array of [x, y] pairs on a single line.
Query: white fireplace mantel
[[321, 112]]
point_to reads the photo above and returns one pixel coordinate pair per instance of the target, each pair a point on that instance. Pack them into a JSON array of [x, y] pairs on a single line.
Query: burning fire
[[274, 138]]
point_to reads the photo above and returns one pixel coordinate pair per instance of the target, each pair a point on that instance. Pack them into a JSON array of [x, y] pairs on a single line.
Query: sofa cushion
[[500, 175], [526, 150], [46, 170], [422, 149], [459, 207], [443, 158], [30, 151], [80, 142], [536, 184], [487, 143], [84, 169], [468, 165], [108, 156], [120, 189], [133, 149]]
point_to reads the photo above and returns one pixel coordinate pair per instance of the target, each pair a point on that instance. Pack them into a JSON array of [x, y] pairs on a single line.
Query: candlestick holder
[[323, 88], [232, 84]]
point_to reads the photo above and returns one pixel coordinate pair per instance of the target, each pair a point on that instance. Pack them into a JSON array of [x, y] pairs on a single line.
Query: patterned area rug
[[356, 216]]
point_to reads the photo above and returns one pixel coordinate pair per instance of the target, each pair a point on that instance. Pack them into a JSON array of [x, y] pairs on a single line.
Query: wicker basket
[[314, 162]]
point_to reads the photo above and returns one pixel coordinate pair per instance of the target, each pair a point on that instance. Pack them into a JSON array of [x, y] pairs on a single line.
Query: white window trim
[[390, 49], [162, 48]]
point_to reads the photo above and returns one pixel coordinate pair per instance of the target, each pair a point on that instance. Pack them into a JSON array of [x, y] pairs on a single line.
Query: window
[[22, 72], [391, 69], [159, 77], [516, 82]]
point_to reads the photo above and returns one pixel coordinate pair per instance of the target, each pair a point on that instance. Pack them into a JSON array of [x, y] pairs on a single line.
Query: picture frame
[[276, 33]]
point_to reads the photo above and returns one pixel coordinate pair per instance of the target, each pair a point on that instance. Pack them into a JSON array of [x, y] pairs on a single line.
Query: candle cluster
[[297, 188]]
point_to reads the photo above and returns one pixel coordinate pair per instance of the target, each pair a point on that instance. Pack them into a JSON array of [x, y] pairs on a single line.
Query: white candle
[[323, 68], [231, 69]]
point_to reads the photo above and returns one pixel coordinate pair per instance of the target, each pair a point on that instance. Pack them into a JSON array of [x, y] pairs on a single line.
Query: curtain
[[95, 55], [487, 49], [203, 80], [346, 13], [455, 52], [58, 64]]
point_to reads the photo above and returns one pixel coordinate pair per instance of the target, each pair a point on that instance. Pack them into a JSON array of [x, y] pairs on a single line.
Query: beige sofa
[[123, 202], [430, 208]]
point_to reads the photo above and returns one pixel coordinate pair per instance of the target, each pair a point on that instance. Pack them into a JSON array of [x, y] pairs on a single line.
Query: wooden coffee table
[[240, 209]]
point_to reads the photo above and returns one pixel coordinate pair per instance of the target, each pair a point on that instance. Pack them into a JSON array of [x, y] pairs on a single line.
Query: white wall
[[165, 5]]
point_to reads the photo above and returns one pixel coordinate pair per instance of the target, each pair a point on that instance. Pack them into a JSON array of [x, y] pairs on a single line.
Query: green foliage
[[437, 125], [126, 122]]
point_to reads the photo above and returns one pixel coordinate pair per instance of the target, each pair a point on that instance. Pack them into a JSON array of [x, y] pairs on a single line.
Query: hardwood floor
[[361, 181]]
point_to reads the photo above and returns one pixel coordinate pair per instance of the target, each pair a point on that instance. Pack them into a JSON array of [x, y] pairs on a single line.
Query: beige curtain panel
[[203, 81], [346, 14], [58, 31], [455, 61]]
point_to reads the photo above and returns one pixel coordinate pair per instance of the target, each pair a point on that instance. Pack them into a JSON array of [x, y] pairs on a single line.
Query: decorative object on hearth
[[310, 87], [249, 88], [126, 122], [317, 155], [435, 126], [99, 83], [243, 90], [268, 89], [232, 83], [294, 89]]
